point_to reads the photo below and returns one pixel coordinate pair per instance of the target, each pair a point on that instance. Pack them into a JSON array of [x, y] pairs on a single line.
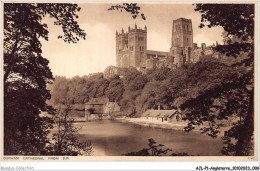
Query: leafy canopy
[[230, 92], [26, 71]]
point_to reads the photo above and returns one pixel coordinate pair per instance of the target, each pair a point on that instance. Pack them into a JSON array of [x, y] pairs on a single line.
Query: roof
[[159, 113], [97, 101], [153, 52], [185, 19]]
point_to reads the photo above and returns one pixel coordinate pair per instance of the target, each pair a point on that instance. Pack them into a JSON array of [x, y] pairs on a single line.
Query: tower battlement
[[131, 30], [183, 19], [131, 47]]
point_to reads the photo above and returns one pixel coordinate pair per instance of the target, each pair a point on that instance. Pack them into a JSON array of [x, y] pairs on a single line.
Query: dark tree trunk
[[243, 145]]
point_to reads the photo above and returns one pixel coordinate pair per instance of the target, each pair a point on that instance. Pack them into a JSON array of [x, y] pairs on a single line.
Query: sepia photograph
[[110, 81]]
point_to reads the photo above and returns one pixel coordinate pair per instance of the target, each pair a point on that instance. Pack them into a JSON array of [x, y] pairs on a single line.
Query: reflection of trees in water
[[154, 150]]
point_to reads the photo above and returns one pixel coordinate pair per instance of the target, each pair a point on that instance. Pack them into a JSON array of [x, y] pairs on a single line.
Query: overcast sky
[[98, 50]]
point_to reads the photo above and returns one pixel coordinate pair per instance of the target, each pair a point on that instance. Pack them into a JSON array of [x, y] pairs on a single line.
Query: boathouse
[[162, 116]]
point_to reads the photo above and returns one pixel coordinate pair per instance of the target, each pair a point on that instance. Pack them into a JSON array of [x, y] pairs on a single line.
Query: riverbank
[[165, 125], [162, 125], [151, 124], [91, 118]]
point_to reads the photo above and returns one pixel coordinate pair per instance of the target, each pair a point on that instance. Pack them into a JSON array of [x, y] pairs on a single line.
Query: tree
[[60, 91], [237, 20], [231, 89], [152, 150], [132, 8], [115, 90], [159, 74], [147, 99], [26, 72], [134, 82], [65, 141]]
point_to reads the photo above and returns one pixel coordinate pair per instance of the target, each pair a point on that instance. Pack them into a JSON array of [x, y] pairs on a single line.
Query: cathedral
[[131, 49]]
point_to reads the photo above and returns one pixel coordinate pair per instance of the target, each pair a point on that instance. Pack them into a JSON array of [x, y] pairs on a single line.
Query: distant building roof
[[98, 101], [159, 113], [153, 52]]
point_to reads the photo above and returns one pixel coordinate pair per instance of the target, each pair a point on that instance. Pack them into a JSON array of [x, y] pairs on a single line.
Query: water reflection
[[114, 138]]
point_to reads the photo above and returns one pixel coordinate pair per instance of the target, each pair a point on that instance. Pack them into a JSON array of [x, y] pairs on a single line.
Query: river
[[114, 138]]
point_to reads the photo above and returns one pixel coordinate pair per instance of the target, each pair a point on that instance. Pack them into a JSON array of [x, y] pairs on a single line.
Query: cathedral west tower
[[131, 47]]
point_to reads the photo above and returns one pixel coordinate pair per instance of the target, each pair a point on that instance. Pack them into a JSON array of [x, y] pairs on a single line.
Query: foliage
[[65, 141], [152, 150], [216, 102], [115, 89], [231, 90], [78, 90], [134, 82], [147, 99], [132, 8], [26, 72], [216, 14], [236, 19], [159, 74]]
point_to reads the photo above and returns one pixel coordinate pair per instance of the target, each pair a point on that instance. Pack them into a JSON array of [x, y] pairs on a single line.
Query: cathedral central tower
[[182, 41]]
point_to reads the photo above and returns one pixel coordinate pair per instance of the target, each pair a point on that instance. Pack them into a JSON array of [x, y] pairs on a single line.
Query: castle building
[[131, 49]]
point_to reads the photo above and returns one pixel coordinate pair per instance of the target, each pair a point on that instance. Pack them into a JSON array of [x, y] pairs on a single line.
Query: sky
[[98, 51]]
